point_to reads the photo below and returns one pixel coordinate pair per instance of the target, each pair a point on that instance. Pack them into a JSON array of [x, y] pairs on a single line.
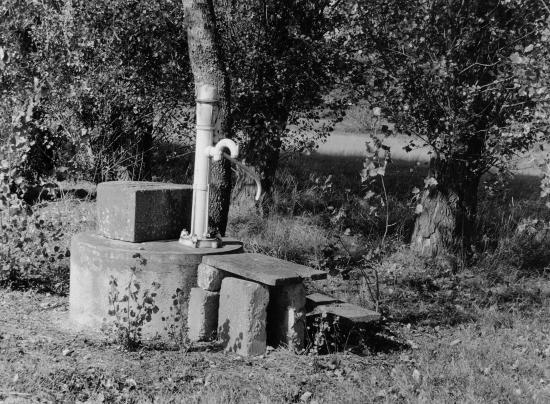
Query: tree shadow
[[386, 342]]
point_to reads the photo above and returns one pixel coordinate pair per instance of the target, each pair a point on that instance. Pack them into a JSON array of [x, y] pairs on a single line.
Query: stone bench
[[263, 269], [259, 299]]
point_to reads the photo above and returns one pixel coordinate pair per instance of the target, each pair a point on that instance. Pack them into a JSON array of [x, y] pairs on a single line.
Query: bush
[[32, 253], [34, 243]]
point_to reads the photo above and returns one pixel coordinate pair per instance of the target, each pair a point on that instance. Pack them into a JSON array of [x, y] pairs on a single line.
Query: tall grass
[[319, 218]]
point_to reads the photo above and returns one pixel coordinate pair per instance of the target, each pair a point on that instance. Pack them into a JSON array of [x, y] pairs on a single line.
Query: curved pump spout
[[216, 151]]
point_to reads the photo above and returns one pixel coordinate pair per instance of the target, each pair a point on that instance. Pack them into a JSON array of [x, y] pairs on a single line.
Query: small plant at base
[[326, 335], [377, 158], [174, 322], [130, 310]]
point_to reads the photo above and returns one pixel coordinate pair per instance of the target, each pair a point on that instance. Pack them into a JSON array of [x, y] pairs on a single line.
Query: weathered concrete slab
[[315, 299], [202, 317], [286, 320], [209, 278], [242, 316], [137, 211], [348, 311], [264, 269]]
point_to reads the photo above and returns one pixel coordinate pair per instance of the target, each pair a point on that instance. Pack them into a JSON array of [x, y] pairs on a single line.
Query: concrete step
[[348, 311], [315, 299], [263, 269]]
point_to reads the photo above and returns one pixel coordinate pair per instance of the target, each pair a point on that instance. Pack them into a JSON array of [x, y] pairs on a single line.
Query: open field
[[472, 333], [352, 144]]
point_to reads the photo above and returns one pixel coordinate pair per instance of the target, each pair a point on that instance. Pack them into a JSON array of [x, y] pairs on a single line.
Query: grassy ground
[[452, 333]]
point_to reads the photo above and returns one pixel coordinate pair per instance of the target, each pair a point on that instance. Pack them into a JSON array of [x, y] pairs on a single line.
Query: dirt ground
[[44, 360]]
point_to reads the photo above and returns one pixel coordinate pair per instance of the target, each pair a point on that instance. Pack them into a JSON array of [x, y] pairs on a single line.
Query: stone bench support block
[[286, 319], [209, 278], [202, 318], [242, 316], [138, 211]]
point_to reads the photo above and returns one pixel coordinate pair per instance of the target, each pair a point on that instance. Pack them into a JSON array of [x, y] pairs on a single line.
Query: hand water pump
[[207, 119]]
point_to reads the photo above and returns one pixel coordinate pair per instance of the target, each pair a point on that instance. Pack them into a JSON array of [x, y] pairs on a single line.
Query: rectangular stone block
[[209, 278], [242, 316], [139, 211], [202, 317], [286, 316]]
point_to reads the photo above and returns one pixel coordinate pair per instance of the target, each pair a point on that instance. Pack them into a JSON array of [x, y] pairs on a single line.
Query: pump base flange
[[195, 242]]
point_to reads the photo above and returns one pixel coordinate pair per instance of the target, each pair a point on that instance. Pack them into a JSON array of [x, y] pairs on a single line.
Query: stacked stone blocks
[[262, 301]]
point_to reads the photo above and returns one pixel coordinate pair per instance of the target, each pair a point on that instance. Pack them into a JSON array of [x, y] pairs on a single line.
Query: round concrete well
[[165, 268]]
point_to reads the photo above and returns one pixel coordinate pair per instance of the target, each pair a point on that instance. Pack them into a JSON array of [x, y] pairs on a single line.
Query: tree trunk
[[208, 66], [143, 168], [447, 220]]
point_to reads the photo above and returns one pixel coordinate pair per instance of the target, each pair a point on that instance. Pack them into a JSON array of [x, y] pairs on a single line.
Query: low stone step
[[315, 299], [348, 311], [263, 269]]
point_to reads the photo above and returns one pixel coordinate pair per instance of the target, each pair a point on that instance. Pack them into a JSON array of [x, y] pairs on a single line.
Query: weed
[[325, 335], [131, 310], [173, 323]]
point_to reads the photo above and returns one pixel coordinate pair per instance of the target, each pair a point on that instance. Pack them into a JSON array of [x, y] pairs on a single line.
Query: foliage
[[522, 249], [325, 335], [32, 253], [130, 310], [107, 78], [281, 69], [329, 334], [174, 327], [32, 250], [469, 79], [13, 153]]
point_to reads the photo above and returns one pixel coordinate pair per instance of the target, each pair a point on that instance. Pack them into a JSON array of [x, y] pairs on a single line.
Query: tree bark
[[447, 221], [143, 167], [208, 67]]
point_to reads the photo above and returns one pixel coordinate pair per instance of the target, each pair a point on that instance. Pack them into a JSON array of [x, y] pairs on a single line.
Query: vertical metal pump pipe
[[207, 114], [207, 119]]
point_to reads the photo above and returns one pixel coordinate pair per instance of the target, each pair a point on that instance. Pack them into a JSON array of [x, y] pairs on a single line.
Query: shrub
[[33, 252]]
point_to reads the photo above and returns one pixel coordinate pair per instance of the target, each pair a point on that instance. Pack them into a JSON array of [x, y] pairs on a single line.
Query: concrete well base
[[166, 268]]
